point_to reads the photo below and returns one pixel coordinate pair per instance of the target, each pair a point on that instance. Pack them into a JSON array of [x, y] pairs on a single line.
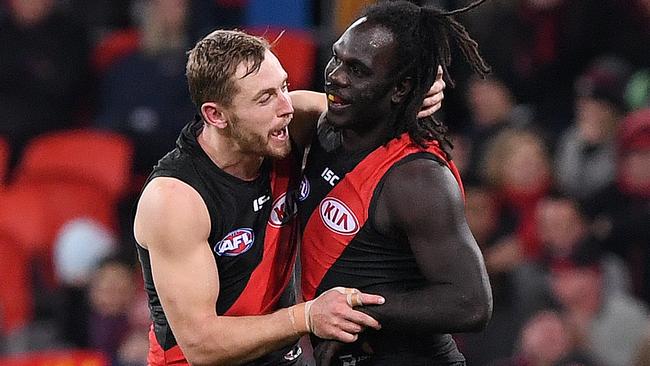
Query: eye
[[285, 86], [264, 98], [355, 69]]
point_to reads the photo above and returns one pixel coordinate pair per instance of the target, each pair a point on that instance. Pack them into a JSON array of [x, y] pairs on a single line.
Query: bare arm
[[173, 223], [308, 106], [421, 199]]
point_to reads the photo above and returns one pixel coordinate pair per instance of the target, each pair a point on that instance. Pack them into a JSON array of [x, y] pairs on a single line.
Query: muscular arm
[[308, 106], [421, 199], [173, 223]]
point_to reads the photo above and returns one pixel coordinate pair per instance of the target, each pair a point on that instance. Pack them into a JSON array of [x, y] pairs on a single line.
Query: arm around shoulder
[[308, 106]]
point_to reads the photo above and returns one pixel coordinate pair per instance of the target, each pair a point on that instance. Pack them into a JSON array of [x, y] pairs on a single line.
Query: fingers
[[433, 99], [333, 317], [364, 320]]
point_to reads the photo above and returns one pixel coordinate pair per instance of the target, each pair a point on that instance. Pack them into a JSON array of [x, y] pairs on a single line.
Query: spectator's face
[[635, 169], [574, 286], [560, 226], [171, 13], [260, 113], [112, 290], [544, 339], [30, 12], [359, 77], [527, 167], [490, 101], [596, 120]]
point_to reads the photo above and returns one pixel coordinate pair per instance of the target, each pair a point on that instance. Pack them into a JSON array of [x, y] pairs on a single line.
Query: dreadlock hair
[[422, 35]]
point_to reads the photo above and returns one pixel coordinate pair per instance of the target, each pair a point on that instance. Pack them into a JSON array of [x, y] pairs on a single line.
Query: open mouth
[[336, 101], [281, 134]]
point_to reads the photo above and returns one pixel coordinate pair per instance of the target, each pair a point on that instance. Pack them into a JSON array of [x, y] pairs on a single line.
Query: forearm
[[440, 308], [230, 340], [308, 106]]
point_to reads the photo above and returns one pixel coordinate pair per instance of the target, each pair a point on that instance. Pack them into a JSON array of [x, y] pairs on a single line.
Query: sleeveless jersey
[[253, 238], [342, 247]]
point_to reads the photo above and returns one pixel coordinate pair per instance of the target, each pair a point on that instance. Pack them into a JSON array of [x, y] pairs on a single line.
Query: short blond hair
[[212, 63]]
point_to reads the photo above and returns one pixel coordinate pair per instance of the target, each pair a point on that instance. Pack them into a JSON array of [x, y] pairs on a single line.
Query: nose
[[285, 106], [335, 75]]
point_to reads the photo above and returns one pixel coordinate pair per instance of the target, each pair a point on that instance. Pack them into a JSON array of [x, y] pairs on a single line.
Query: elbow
[[479, 313], [197, 353]]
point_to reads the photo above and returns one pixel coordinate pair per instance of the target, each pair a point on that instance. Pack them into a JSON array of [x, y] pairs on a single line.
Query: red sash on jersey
[[340, 215], [271, 277]]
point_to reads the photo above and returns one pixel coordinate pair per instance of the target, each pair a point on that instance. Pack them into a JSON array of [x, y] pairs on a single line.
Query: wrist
[[299, 322]]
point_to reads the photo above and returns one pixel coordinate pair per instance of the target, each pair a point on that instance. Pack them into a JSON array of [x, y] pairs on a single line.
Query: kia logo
[[338, 217], [235, 243], [282, 211]]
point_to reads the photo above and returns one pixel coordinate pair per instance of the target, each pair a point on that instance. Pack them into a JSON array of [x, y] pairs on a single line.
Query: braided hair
[[423, 37]]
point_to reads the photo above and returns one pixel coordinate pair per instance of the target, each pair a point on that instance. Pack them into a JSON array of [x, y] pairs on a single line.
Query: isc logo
[[283, 210], [235, 243], [338, 217]]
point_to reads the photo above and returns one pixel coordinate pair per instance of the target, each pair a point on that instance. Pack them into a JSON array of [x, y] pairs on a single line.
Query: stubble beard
[[254, 143]]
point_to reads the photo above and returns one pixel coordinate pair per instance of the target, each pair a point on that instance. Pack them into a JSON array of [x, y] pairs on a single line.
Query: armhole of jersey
[[214, 220], [375, 194]]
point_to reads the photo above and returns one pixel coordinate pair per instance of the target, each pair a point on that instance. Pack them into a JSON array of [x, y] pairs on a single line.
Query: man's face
[[261, 111], [359, 77]]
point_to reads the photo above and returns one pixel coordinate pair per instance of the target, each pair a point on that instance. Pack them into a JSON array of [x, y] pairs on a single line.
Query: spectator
[[510, 308], [546, 341], [44, 59], [492, 108], [517, 166], [586, 155], [144, 96], [111, 298], [621, 211], [611, 328]]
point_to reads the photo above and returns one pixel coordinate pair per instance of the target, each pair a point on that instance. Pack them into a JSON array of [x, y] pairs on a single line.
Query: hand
[[326, 351], [331, 315], [433, 99]]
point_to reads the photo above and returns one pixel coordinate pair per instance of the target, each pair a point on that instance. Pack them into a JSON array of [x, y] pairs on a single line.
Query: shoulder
[[169, 207], [421, 192], [423, 175]]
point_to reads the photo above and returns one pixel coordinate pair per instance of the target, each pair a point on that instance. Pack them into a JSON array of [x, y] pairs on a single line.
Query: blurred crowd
[[554, 149]]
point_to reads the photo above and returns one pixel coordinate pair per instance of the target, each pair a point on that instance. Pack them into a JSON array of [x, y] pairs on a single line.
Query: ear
[[401, 90], [214, 114]]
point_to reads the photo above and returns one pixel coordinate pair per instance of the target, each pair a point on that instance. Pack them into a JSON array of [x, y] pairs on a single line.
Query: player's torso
[[253, 235], [341, 245]]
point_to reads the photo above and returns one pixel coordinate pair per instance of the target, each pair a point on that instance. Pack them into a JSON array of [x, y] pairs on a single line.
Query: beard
[[252, 142]]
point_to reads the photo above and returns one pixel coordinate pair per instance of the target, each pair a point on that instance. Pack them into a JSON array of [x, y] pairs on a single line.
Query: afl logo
[[282, 211], [304, 190], [338, 217], [235, 243]]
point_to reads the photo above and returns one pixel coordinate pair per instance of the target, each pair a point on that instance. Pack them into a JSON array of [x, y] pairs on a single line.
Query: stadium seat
[[100, 159], [113, 47], [32, 214], [23, 232], [16, 299], [296, 50], [75, 357]]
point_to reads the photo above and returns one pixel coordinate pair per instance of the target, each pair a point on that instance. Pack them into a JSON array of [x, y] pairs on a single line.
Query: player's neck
[[227, 155], [364, 137]]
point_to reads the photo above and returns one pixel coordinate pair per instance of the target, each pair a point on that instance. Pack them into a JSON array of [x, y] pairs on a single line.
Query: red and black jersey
[[340, 244], [253, 238]]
